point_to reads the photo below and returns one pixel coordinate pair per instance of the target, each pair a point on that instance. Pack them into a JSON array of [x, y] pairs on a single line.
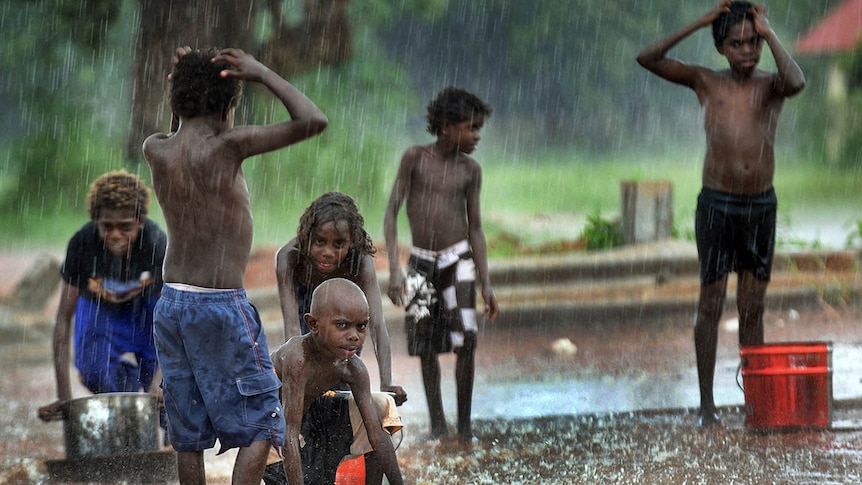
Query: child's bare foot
[[467, 440], [438, 432], [708, 419]]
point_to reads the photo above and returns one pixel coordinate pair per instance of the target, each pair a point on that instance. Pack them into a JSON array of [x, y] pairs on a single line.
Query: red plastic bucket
[[787, 385], [351, 472]]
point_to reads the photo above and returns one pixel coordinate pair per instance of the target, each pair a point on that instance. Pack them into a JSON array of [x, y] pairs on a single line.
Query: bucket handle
[[738, 375]]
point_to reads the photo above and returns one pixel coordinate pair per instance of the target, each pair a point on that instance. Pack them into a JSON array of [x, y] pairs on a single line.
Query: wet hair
[[739, 11], [454, 105], [198, 89], [331, 207], [118, 190]]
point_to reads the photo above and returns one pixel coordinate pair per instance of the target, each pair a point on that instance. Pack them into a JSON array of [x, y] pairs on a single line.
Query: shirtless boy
[[441, 183], [309, 365], [736, 210], [219, 382]]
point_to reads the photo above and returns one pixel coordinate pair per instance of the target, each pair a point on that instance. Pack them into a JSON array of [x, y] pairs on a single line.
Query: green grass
[[560, 192]]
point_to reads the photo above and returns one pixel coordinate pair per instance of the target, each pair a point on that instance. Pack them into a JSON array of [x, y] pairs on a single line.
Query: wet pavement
[[615, 406]]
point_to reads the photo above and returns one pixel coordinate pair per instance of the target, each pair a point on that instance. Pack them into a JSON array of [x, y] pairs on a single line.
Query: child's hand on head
[[245, 66], [178, 54], [722, 7], [761, 22]]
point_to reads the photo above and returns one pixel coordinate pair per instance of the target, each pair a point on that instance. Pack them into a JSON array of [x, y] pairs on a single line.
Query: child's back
[[197, 170], [198, 178], [204, 197]]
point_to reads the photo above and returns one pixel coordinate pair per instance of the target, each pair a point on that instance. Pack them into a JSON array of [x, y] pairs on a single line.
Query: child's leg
[[465, 370], [190, 468], [750, 296], [709, 309], [431, 380], [373, 469], [250, 463]]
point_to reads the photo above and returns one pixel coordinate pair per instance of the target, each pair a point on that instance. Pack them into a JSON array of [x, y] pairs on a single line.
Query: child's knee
[[469, 343]]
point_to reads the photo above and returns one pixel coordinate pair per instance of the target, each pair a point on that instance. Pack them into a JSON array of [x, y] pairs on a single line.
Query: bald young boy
[[309, 366], [736, 209]]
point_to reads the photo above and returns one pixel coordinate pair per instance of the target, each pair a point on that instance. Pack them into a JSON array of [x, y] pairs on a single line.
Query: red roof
[[839, 31]]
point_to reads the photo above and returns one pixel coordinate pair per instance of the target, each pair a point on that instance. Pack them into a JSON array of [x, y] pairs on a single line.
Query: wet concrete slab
[[629, 384]]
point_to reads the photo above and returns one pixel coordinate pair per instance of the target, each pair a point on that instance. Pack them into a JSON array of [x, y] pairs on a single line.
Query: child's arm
[[285, 263], [390, 228], [654, 56], [62, 336], [377, 436], [292, 401], [790, 80], [379, 333], [479, 245], [307, 119]]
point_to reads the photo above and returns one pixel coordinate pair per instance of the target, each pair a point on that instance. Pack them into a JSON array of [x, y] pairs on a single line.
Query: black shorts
[[735, 232]]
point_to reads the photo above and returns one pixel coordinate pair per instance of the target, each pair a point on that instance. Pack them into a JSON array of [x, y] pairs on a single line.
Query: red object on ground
[[839, 31], [351, 472], [787, 385]]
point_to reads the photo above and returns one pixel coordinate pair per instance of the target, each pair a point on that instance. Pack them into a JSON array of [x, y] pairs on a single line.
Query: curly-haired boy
[[112, 277], [440, 184]]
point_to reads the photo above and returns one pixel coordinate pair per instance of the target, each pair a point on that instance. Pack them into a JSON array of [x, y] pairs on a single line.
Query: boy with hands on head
[[736, 209], [219, 381]]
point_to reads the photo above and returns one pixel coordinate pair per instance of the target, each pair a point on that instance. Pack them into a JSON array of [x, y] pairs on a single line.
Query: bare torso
[[436, 203], [205, 202], [740, 118]]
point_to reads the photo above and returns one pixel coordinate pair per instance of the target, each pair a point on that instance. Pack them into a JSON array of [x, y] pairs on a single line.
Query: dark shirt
[[88, 258]]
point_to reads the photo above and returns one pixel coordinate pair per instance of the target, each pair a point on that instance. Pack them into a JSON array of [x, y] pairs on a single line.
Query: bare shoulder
[[416, 153], [367, 273], [288, 356], [473, 169], [286, 254], [357, 374], [704, 77], [154, 145]]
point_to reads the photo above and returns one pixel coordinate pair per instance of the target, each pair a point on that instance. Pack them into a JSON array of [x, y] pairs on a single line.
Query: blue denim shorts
[[219, 381]]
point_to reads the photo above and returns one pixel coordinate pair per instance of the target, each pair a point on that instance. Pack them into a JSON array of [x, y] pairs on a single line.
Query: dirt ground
[[577, 437]]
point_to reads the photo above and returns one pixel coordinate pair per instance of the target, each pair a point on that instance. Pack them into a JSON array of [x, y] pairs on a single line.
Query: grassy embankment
[[525, 204]]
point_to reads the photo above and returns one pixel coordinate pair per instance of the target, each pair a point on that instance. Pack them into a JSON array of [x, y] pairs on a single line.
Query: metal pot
[[111, 424]]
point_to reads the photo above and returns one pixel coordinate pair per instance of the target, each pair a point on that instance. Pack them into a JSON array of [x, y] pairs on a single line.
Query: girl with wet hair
[[335, 206], [331, 242]]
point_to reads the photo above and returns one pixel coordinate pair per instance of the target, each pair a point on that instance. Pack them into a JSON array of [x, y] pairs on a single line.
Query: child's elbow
[[317, 124], [799, 86], [794, 87]]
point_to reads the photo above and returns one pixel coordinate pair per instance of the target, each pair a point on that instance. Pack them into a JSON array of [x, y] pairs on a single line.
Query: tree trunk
[[165, 25], [323, 37]]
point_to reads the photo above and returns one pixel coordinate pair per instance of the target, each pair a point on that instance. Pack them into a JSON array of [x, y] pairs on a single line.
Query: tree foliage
[[87, 77]]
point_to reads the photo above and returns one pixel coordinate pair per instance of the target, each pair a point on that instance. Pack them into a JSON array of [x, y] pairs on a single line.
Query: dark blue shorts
[[219, 381], [735, 232]]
